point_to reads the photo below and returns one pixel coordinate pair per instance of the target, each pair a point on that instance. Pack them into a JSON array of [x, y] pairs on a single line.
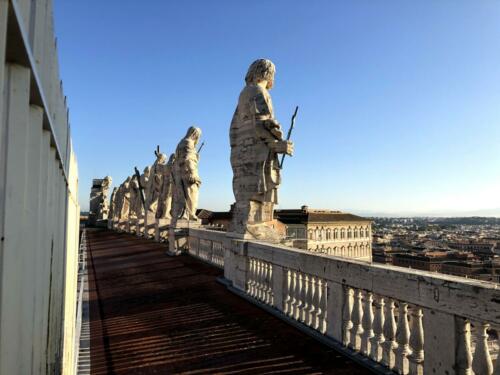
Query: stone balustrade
[[401, 320], [207, 245]]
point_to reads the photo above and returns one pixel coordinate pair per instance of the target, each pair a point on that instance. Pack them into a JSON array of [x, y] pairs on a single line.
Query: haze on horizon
[[398, 101]]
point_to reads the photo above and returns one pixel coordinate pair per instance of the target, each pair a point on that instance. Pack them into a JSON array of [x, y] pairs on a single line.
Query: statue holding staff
[[165, 200], [186, 179], [256, 139]]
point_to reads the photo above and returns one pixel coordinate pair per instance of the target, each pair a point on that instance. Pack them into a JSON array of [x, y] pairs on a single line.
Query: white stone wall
[[39, 212]]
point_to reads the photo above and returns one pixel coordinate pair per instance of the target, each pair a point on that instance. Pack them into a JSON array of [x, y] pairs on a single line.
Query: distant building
[[324, 231], [486, 248], [330, 232]]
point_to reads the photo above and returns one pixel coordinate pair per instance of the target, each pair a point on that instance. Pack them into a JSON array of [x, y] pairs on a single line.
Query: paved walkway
[[152, 314]]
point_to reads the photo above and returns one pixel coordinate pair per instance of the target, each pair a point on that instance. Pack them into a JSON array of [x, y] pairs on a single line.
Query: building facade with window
[[329, 232]]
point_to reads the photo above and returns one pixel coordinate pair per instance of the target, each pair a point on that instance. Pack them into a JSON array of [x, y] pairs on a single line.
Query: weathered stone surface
[[155, 182], [186, 178], [125, 200], [256, 140], [99, 203], [112, 208], [136, 205], [165, 199]]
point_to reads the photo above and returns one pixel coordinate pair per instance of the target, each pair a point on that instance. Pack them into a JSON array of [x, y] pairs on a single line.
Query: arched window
[[342, 233], [342, 251], [335, 234], [349, 233], [356, 232], [316, 234], [328, 234], [310, 233]]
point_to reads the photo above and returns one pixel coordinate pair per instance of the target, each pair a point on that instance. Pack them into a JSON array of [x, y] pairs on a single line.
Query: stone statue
[[112, 208], [135, 198], [256, 139], [99, 205], [165, 199], [125, 200], [104, 211], [155, 182], [145, 181], [186, 179]]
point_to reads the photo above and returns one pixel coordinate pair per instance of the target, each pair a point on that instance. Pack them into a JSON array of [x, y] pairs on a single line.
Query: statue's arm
[[192, 168], [268, 128]]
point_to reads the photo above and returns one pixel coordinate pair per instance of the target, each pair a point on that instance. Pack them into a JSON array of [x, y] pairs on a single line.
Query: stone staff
[[289, 133]]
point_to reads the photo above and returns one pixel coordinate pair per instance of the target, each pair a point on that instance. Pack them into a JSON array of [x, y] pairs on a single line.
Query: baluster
[[288, 298], [323, 305], [311, 311], [271, 294], [378, 330], [263, 292], [464, 352], [293, 300], [390, 344], [347, 315], [300, 301], [417, 342], [303, 297], [367, 324], [250, 281], [255, 278], [481, 362], [403, 339], [317, 321], [357, 319], [261, 282], [268, 284]]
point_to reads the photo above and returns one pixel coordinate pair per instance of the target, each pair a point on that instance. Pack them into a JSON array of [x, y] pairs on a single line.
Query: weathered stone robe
[[256, 172]]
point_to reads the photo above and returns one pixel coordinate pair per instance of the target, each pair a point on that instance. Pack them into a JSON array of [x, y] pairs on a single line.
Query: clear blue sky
[[399, 100]]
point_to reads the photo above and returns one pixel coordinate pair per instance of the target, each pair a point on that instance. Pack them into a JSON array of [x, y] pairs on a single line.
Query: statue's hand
[[282, 147], [194, 180]]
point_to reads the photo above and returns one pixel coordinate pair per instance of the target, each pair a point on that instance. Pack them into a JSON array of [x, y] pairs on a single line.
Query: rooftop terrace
[[154, 314]]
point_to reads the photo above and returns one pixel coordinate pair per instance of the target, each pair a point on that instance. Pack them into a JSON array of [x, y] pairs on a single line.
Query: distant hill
[[493, 212]]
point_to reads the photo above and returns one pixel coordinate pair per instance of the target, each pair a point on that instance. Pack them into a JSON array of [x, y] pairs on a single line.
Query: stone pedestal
[[132, 225], [149, 224], [259, 232], [140, 227], [178, 236], [161, 229]]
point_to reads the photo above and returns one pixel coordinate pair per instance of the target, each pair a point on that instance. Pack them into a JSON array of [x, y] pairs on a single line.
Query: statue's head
[[161, 158], [107, 180], [261, 70], [171, 159], [194, 134], [147, 171]]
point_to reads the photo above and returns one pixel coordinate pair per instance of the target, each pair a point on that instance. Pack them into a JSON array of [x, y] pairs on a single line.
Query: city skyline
[[389, 122]]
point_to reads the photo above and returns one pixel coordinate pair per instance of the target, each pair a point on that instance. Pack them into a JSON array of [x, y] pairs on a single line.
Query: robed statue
[[256, 139]]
